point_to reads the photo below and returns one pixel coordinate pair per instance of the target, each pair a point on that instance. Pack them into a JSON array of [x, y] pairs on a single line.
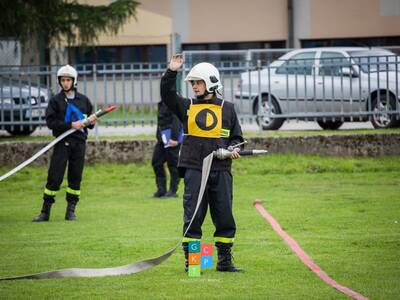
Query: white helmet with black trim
[[67, 71], [208, 73]]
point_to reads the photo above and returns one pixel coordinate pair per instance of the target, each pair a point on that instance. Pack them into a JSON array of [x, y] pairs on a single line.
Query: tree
[[55, 20]]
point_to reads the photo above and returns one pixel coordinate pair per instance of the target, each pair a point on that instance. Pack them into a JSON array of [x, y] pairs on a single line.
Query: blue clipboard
[[166, 136]]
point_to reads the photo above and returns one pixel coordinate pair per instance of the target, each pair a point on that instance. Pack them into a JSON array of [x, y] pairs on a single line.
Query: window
[[331, 63], [121, 54], [374, 60], [235, 45], [352, 42], [301, 64]]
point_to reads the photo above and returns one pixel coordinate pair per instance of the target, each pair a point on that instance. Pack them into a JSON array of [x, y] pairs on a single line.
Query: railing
[[330, 86], [264, 88]]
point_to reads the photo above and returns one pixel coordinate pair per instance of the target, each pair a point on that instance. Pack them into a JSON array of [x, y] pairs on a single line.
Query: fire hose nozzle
[[99, 113], [222, 153], [232, 147]]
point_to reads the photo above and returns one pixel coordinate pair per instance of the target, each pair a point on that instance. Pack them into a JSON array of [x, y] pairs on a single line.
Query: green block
[[194, 271]]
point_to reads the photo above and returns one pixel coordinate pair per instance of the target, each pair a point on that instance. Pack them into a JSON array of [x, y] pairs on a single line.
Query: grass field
[[344, 212]]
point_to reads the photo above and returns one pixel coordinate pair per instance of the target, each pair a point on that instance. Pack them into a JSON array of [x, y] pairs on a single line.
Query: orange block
[[194, 258]]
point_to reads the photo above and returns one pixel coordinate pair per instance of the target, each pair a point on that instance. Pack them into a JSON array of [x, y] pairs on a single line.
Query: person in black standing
[[166, 150], [209, 123], [66, 110]]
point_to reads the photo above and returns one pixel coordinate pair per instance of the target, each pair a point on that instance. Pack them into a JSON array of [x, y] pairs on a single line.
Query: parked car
[[22, 107], [330, 85]]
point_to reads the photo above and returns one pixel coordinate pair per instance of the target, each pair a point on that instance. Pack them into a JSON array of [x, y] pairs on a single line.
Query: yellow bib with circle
[[205, 120]]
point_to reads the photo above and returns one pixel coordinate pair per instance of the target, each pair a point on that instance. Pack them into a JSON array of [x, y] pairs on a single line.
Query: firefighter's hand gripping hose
[[148, 263], [85, 122]]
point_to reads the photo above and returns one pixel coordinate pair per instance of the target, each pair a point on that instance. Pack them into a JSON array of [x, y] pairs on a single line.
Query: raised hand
[[176, 62]]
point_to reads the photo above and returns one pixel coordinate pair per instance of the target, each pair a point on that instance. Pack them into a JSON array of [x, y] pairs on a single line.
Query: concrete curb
[[13, 153]]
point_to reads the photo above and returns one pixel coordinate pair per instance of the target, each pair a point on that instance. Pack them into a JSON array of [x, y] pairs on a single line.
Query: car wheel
[[263, 118], [381, 119], [17, 130], [330, 125]]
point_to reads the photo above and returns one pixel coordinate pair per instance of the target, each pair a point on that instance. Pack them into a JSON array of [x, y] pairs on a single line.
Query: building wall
[[149, 29], [228, 21], [152, 26], [301, 21], [222, 21], [355, 18], [164, 22]]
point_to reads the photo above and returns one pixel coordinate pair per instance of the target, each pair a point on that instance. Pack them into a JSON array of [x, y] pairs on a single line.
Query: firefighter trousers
[[170, 156], [67, 152], [218, 196]]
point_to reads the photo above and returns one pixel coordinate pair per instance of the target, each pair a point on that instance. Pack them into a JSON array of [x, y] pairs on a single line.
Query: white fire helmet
[[67, 71], [208, 73]]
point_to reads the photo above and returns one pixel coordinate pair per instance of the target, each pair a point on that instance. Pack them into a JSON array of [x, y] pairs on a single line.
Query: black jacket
[[55, 114], [195, 149], [166, 119]]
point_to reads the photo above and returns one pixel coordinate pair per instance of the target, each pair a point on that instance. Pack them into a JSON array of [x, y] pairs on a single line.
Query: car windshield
[[374, 61]]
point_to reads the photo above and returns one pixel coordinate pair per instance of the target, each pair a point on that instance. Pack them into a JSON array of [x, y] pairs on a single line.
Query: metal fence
[[264, 88], [321, 85]]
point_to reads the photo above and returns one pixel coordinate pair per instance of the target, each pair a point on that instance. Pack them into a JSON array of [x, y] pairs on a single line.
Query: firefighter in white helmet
[[66, 110], [209, 123]]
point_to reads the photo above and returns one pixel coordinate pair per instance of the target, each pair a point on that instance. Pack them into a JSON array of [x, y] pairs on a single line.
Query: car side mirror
[[348, 71]]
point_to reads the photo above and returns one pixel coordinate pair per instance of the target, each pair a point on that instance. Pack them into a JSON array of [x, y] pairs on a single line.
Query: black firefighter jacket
[[55, 114], [194, 148]]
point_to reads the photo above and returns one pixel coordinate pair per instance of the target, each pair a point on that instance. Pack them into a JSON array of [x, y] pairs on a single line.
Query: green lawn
[[136, 116], [344, 212]]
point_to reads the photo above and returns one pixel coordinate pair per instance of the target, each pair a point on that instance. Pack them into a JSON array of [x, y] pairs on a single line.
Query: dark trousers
[[217, 195], [170, 156], [69, 152]]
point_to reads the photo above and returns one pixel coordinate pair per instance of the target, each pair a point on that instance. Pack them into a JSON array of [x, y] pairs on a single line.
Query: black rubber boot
[[44, 215], [185, 247], [173, 187], [161, 187], [225, 263], [70, 212]]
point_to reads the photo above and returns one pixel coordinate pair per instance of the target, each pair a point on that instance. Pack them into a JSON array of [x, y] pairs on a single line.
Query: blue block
[[206, 262], [194, 247]]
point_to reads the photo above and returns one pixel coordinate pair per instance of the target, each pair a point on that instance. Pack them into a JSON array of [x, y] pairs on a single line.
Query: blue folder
[[166, 136]]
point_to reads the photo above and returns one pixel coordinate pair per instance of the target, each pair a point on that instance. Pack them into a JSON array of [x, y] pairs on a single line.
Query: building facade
[[162, 27]]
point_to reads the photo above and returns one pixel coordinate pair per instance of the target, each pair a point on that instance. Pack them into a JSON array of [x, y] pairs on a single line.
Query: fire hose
[[148, 263], [85, 122]]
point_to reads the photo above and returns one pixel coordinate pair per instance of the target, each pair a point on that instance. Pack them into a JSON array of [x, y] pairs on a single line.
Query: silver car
[[22, 107], [328, 85]]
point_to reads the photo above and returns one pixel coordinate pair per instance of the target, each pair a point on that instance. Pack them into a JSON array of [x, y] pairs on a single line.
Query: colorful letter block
[[206, 262], [194, 271], [194, 247], [200, 256], [206, 250], [194, 259]]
